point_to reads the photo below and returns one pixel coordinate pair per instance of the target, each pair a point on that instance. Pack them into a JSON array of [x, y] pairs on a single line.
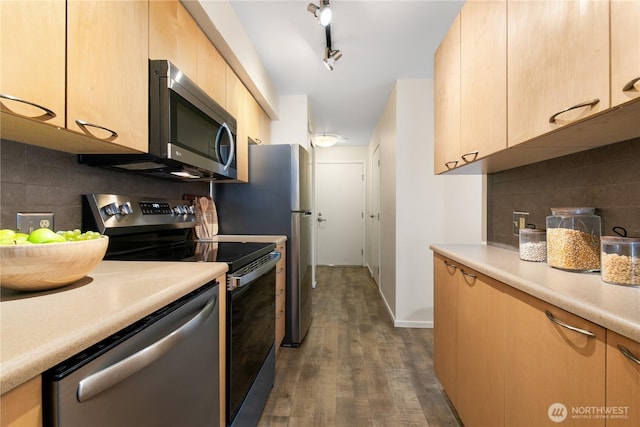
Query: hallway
[[354, 368]]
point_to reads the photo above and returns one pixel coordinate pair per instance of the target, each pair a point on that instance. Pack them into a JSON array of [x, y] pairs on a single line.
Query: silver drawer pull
[[452, 164], [631, 85], [448, 264], [48, 114], [626, 353], [471, 153], [591, 103], [571, 328], [473, 276], [84, 125]]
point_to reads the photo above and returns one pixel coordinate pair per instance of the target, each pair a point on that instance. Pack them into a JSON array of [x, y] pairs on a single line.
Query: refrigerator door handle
[[305, 212]]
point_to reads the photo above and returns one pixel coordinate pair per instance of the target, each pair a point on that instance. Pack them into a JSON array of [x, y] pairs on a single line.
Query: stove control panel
[[117, 214]]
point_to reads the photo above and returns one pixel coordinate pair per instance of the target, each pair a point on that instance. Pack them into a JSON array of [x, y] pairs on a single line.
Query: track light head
[[330, 58], [322, 12]]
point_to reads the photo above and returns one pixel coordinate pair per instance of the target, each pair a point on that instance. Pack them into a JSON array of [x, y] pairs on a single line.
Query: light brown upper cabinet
[[236, 100], [32, 59], [107, 77], [483, 79], [447, 100], [173, 35], [625, 51], [558, 64], [212, 70]]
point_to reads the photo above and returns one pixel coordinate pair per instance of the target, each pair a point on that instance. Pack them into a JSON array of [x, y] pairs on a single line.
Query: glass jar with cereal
[[573, 239], [620, 262]]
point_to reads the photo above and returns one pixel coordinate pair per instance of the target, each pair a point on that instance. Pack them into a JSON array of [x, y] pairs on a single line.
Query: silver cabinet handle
[[571, 328], [108, 377], [48, 114], [471, 153], [451, 164], [591, 103], [84, 126], [448, 264], [631, 84], [473, 276], [626, 353]]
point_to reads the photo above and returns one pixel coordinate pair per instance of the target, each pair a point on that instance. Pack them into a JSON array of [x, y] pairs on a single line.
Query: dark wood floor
[[354, 368]]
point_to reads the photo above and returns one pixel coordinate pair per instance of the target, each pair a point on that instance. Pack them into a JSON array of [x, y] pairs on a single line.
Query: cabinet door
[[173, 35], [107, 71], [212, 69], [32, 59], [236, 98], [625, 51], [445, 316], [447, 100], [623, 380], [558, 58], [22, 406], [481, 350], [281, 296], [551, 371], [483, 78]]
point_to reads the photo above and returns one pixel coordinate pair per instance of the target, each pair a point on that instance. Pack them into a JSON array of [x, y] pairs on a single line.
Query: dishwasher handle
[[108, 377]]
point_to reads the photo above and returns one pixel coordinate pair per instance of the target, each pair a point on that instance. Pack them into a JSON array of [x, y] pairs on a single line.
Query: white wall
[[293, 124], [427, 208]]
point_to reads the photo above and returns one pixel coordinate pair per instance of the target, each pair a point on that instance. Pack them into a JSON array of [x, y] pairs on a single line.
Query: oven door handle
[[108, 377], [244, 277]]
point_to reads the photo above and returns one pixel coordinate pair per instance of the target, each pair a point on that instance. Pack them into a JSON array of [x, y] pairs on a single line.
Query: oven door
[[250, 328]]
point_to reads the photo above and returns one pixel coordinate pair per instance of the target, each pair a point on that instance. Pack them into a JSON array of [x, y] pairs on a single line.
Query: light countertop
[[41, 329], [614, 307]]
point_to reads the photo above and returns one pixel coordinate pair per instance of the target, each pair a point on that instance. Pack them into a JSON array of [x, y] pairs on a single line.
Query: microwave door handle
[[232, 146], [108, 377]]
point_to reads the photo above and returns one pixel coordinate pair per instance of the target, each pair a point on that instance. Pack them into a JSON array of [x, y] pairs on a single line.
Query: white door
[[340, 213], [374, 218]]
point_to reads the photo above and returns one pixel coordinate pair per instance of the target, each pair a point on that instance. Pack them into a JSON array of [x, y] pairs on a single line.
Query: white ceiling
[[381, 41]]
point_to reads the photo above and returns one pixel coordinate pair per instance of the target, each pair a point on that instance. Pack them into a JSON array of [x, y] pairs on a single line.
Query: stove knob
[[177, 210], [191, 210], [125, 209], [111, 209], [185, 209]]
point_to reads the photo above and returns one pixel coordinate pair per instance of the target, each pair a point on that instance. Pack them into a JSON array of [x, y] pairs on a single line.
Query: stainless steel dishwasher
[[161, 371]]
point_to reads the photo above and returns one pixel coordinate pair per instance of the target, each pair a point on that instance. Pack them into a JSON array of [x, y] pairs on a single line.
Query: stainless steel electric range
[[152, 229]]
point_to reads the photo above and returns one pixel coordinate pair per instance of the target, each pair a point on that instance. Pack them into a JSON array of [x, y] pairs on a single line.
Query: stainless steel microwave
[[191, 137]]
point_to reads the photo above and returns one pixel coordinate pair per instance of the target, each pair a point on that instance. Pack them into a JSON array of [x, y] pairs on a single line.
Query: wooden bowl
[[49, 265]]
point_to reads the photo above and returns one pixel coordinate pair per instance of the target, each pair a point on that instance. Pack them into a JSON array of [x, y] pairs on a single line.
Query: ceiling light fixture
[[322, 12], [326, 140], [330, 58]]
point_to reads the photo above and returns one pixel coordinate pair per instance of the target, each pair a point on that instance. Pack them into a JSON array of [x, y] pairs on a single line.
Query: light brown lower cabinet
[[281, 291], [22, 406], [552, 372], [506, 358], [623, 381]]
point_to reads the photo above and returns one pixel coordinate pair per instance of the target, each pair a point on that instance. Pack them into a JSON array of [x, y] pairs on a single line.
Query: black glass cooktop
[[235, 254]]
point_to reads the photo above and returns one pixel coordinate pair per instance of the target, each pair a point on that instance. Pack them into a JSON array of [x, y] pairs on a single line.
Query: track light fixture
[[322, 12], [330, 58]]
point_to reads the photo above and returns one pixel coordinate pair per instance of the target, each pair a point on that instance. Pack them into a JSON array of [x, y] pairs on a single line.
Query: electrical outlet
[[27, 222], [520, 220]]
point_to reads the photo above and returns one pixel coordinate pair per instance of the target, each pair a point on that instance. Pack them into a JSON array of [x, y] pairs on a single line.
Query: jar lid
[[615, 240], [532, 230], [573, 211]]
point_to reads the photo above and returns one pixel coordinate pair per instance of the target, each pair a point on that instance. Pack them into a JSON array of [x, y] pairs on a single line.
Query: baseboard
[[413, 324]]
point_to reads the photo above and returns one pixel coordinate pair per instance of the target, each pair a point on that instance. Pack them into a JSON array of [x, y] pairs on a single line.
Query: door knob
[[321, 219]]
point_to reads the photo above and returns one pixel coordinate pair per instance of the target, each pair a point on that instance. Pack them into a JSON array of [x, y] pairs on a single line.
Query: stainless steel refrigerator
[[277, 200]]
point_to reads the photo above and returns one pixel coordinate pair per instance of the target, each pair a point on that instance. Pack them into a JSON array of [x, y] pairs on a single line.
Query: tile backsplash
[[606, 178], [34, 179]]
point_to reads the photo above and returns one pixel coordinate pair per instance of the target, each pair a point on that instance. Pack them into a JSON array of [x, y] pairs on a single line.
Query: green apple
[[45, 235], [5, 233], [21, 237]]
